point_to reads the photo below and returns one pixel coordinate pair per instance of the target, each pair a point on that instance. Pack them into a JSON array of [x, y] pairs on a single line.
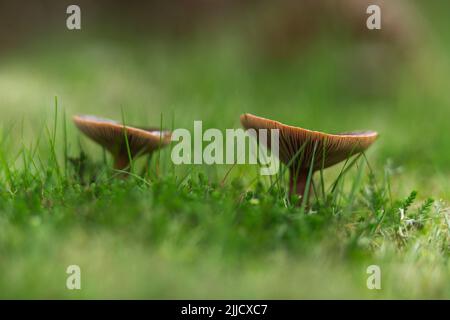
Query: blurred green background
[[305, 63], [309, 63]]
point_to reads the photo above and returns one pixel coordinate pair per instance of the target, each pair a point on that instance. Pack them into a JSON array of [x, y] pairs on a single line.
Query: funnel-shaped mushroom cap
[[111, 135], [332, 147]]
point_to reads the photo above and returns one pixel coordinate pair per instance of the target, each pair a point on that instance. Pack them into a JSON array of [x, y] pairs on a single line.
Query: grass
[[218, 231]]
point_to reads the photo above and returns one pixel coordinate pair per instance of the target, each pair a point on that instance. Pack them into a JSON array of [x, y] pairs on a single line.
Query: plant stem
[[297, 182], [122, 162]]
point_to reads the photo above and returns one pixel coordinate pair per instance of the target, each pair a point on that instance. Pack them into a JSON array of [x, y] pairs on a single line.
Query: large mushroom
[[123, 142], [304, 150]]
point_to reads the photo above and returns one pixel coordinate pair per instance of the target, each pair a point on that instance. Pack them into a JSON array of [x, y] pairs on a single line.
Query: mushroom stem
[[297, 182], [121, 162]]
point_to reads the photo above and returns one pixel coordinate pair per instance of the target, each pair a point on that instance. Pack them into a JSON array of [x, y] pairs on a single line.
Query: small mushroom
[[111, 135], [297, 145]]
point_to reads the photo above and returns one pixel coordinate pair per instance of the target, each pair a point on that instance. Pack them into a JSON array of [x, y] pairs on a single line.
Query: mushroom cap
[[110, 134], [333, 148]]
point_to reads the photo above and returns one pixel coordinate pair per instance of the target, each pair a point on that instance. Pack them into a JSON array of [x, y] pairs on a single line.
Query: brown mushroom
[[111, 135], [304, 150]]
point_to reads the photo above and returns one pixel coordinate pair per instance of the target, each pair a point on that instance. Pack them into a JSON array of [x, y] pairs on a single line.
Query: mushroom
[[304, 150], [111, 135]]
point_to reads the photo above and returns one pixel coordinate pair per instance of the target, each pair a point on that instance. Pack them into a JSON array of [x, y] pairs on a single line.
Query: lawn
[[199, 231]]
